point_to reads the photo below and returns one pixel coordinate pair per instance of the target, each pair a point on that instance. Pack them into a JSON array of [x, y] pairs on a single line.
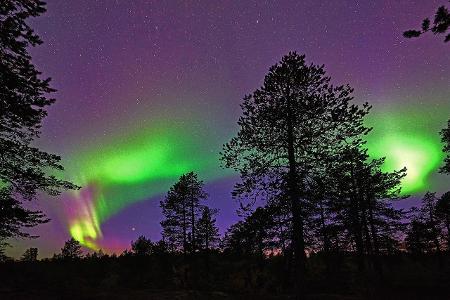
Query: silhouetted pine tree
[[23, 99], [181, 209], [289, 126]]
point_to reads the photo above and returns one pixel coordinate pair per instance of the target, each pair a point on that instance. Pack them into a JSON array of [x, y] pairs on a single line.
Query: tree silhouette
[[443, 213], [445, 137], [287, 128], [13, 216], [181, 209], [428, 213], [236, 240], [207, 230], [142, 246], [417, 237], [71, 250], [361, 204], [426, 218], [441, 23], [96, 255], [251, 236], [30, 254], [23, 99]]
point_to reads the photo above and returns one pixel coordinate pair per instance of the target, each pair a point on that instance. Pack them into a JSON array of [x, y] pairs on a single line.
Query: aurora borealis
[[148, 90], [138, 166], [405, 140]]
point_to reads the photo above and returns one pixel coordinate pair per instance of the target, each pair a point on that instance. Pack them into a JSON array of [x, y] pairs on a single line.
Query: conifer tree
[[416, 239], [428, 214], [362, 204], [443, 213], [30, 254], [23, 102], [142, 246], [71, 250], [207, 230], [288, 128], [181, 209]]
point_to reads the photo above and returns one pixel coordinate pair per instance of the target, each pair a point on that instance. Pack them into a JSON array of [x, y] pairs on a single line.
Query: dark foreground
[[220, 276]]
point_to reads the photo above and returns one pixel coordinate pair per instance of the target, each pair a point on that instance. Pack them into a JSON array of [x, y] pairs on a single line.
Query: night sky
[[148, 90]]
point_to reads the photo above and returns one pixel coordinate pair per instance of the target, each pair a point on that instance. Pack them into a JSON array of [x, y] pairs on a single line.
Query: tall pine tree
[[288, 127]]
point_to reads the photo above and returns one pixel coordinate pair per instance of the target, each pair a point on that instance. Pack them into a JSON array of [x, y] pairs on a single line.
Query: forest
[[319, 216]]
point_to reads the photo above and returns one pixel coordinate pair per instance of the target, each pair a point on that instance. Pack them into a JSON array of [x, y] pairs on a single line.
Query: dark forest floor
[[164, 277], [153, 295], [195, 295]]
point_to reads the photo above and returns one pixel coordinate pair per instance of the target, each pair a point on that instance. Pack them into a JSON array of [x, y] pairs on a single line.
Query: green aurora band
[[406, 138], [133, 168]]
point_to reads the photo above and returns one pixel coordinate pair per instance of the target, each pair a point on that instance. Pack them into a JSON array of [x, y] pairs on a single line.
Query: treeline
[[253, 259], [264, 233]]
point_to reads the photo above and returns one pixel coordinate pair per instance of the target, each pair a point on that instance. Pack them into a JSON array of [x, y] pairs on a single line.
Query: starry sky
[[148, 90]]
